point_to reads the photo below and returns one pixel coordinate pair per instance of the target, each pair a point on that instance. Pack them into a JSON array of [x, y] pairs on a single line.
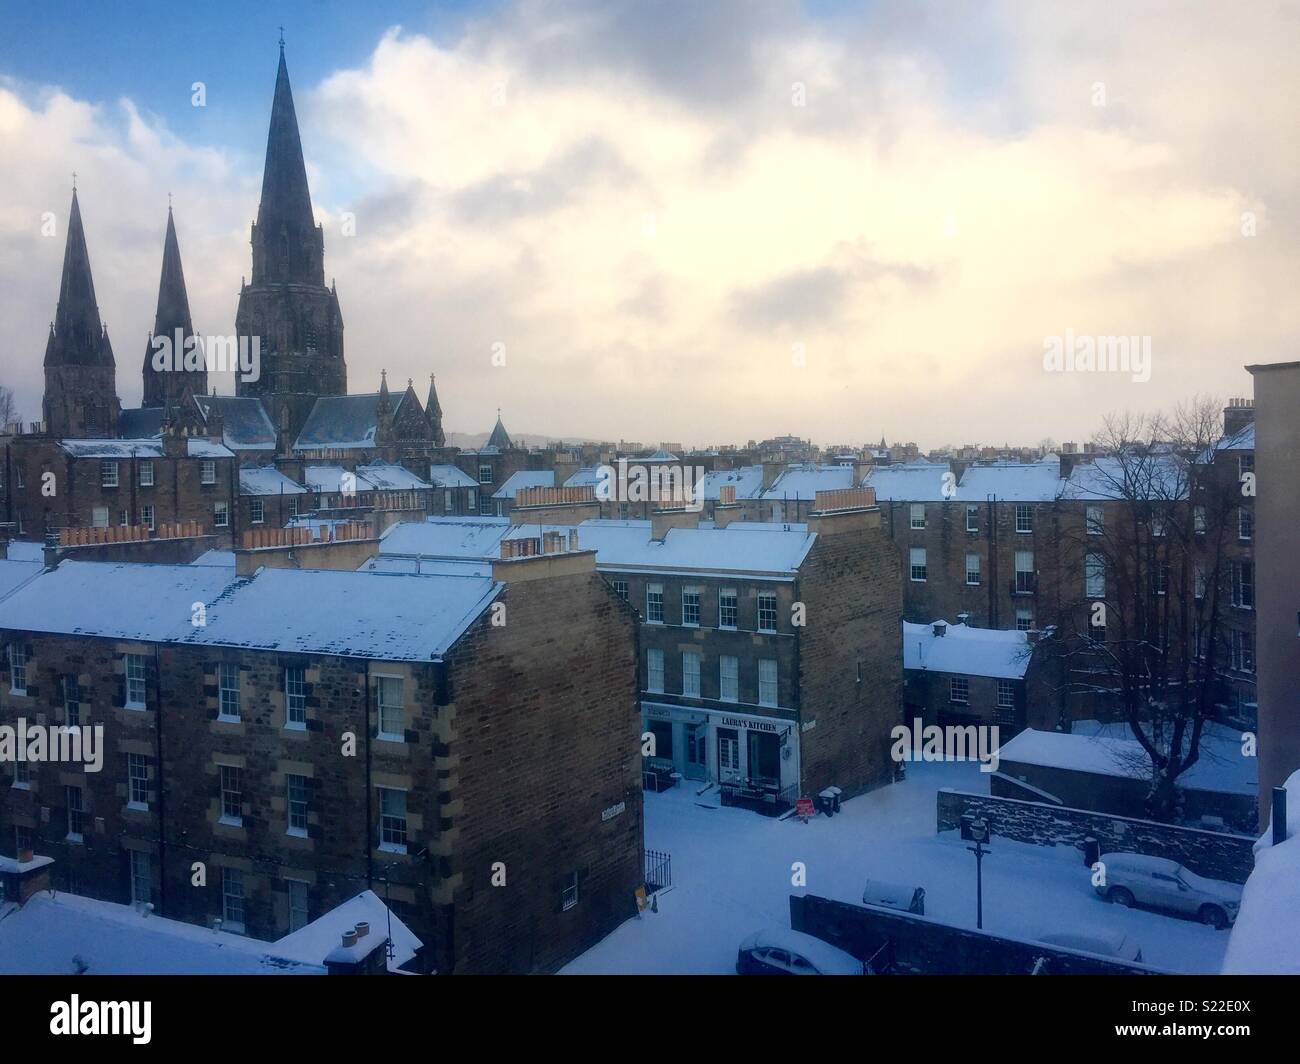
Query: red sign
[[803, 807]]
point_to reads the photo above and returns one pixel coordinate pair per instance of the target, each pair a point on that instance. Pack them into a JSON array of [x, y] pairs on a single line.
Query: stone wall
[[850, 664], [1208, 853], [917, 945]]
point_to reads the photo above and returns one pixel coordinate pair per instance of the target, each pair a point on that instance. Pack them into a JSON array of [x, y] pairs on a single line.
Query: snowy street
[[732, 875]]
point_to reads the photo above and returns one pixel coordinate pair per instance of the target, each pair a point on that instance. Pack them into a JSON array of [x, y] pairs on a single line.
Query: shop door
[[728, 755], [697, 754], [765, 757]]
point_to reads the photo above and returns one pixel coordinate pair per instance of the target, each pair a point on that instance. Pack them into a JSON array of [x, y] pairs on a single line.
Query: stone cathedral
[[299, 399]]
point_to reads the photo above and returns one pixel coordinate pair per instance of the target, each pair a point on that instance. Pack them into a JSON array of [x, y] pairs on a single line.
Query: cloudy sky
[[690, 220]]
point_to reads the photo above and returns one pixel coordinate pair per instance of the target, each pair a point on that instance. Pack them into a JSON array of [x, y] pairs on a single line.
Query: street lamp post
[[979, 831]]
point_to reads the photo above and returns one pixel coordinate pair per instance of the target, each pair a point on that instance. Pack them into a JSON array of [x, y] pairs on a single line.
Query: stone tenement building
[[297, 409], [440, 740], [770, 655], [1034, 546]]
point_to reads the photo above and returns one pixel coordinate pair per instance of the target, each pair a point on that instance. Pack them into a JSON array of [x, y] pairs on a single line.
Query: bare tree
[[8, 407], [1140, 627]]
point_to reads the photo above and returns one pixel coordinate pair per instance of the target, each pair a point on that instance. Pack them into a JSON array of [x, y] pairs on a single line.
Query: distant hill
[[472, 440]]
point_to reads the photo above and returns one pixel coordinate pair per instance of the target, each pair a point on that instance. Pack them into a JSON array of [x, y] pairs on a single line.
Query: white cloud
[[648, 222]]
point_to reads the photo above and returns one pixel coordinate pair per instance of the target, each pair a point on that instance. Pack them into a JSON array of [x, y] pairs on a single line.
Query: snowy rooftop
[[383, 616], [747, 480], [116, 600], [450, 476], [1012, 481], [447, 537], [1156, 478], [267, 480], [389, 477], [313, 943], [525, 478], [965, 651], [58, 934], [215, 557], [745, 547], [1110, 751], [627, 545], [581, 478], [22, 550], [397, 563], [13, 574], [805, 481], [908, 483], [150, 448]]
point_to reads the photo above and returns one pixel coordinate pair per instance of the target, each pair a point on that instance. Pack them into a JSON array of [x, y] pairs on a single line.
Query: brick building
[[769, 654], [436, 738]]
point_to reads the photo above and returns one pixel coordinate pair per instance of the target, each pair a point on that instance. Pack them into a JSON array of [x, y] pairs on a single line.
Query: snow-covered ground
[[732, 875]]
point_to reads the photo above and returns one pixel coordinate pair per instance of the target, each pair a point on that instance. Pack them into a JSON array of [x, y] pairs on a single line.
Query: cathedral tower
[[80, 373], [286, 307], [172, 386]]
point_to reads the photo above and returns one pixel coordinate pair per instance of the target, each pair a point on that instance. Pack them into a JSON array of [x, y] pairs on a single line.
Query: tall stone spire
[[172, 385], [80, 372], [286, 310], [433, 410], [290, 245]]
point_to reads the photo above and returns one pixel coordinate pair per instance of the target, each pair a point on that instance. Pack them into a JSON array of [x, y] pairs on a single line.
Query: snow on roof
[[747, 480], [966, 651], [447, 537], [215, 557], [267, 480], [388, 477], [450, 476], [1221, 766], [117, 600], [1242, 440], [909, 483], [627, 545], [14, 573], [587, 475], [771, 549], [22, 550], [329, 478], [317, 940], [245, 424], [346, 422], [1109, 754], [1265, 938], [397, 563], [1155, 477], [525, 478], [55, 934], [382, 616], [805, 481], [1012, 481], [150, 448]]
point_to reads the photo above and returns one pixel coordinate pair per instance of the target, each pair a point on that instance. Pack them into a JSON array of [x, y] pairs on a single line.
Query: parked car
[[778, 951], [1114, 944], [894, 896], [1159, 883]]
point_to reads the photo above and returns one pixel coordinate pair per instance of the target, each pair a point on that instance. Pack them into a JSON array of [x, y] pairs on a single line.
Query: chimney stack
[[1237, 415]]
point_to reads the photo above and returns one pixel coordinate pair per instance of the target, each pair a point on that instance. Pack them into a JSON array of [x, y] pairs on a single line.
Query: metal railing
[[658, 867]]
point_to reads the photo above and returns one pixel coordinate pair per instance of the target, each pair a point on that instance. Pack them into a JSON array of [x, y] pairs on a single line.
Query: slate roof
[[246, 426], [341, 421], [138, 423]]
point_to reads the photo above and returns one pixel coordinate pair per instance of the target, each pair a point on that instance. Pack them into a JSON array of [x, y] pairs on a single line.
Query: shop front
[[737, 751]]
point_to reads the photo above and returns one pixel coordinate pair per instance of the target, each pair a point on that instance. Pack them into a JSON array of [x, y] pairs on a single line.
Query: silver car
[[1159, 883]]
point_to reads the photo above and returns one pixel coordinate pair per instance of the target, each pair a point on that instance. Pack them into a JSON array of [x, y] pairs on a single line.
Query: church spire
[[80, 386], [78, 337], [286, 244], [433, 411], [171, 386]]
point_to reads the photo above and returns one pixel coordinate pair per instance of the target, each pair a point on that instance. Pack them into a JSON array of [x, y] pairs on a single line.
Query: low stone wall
[[1208, 853], [903, 944]]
